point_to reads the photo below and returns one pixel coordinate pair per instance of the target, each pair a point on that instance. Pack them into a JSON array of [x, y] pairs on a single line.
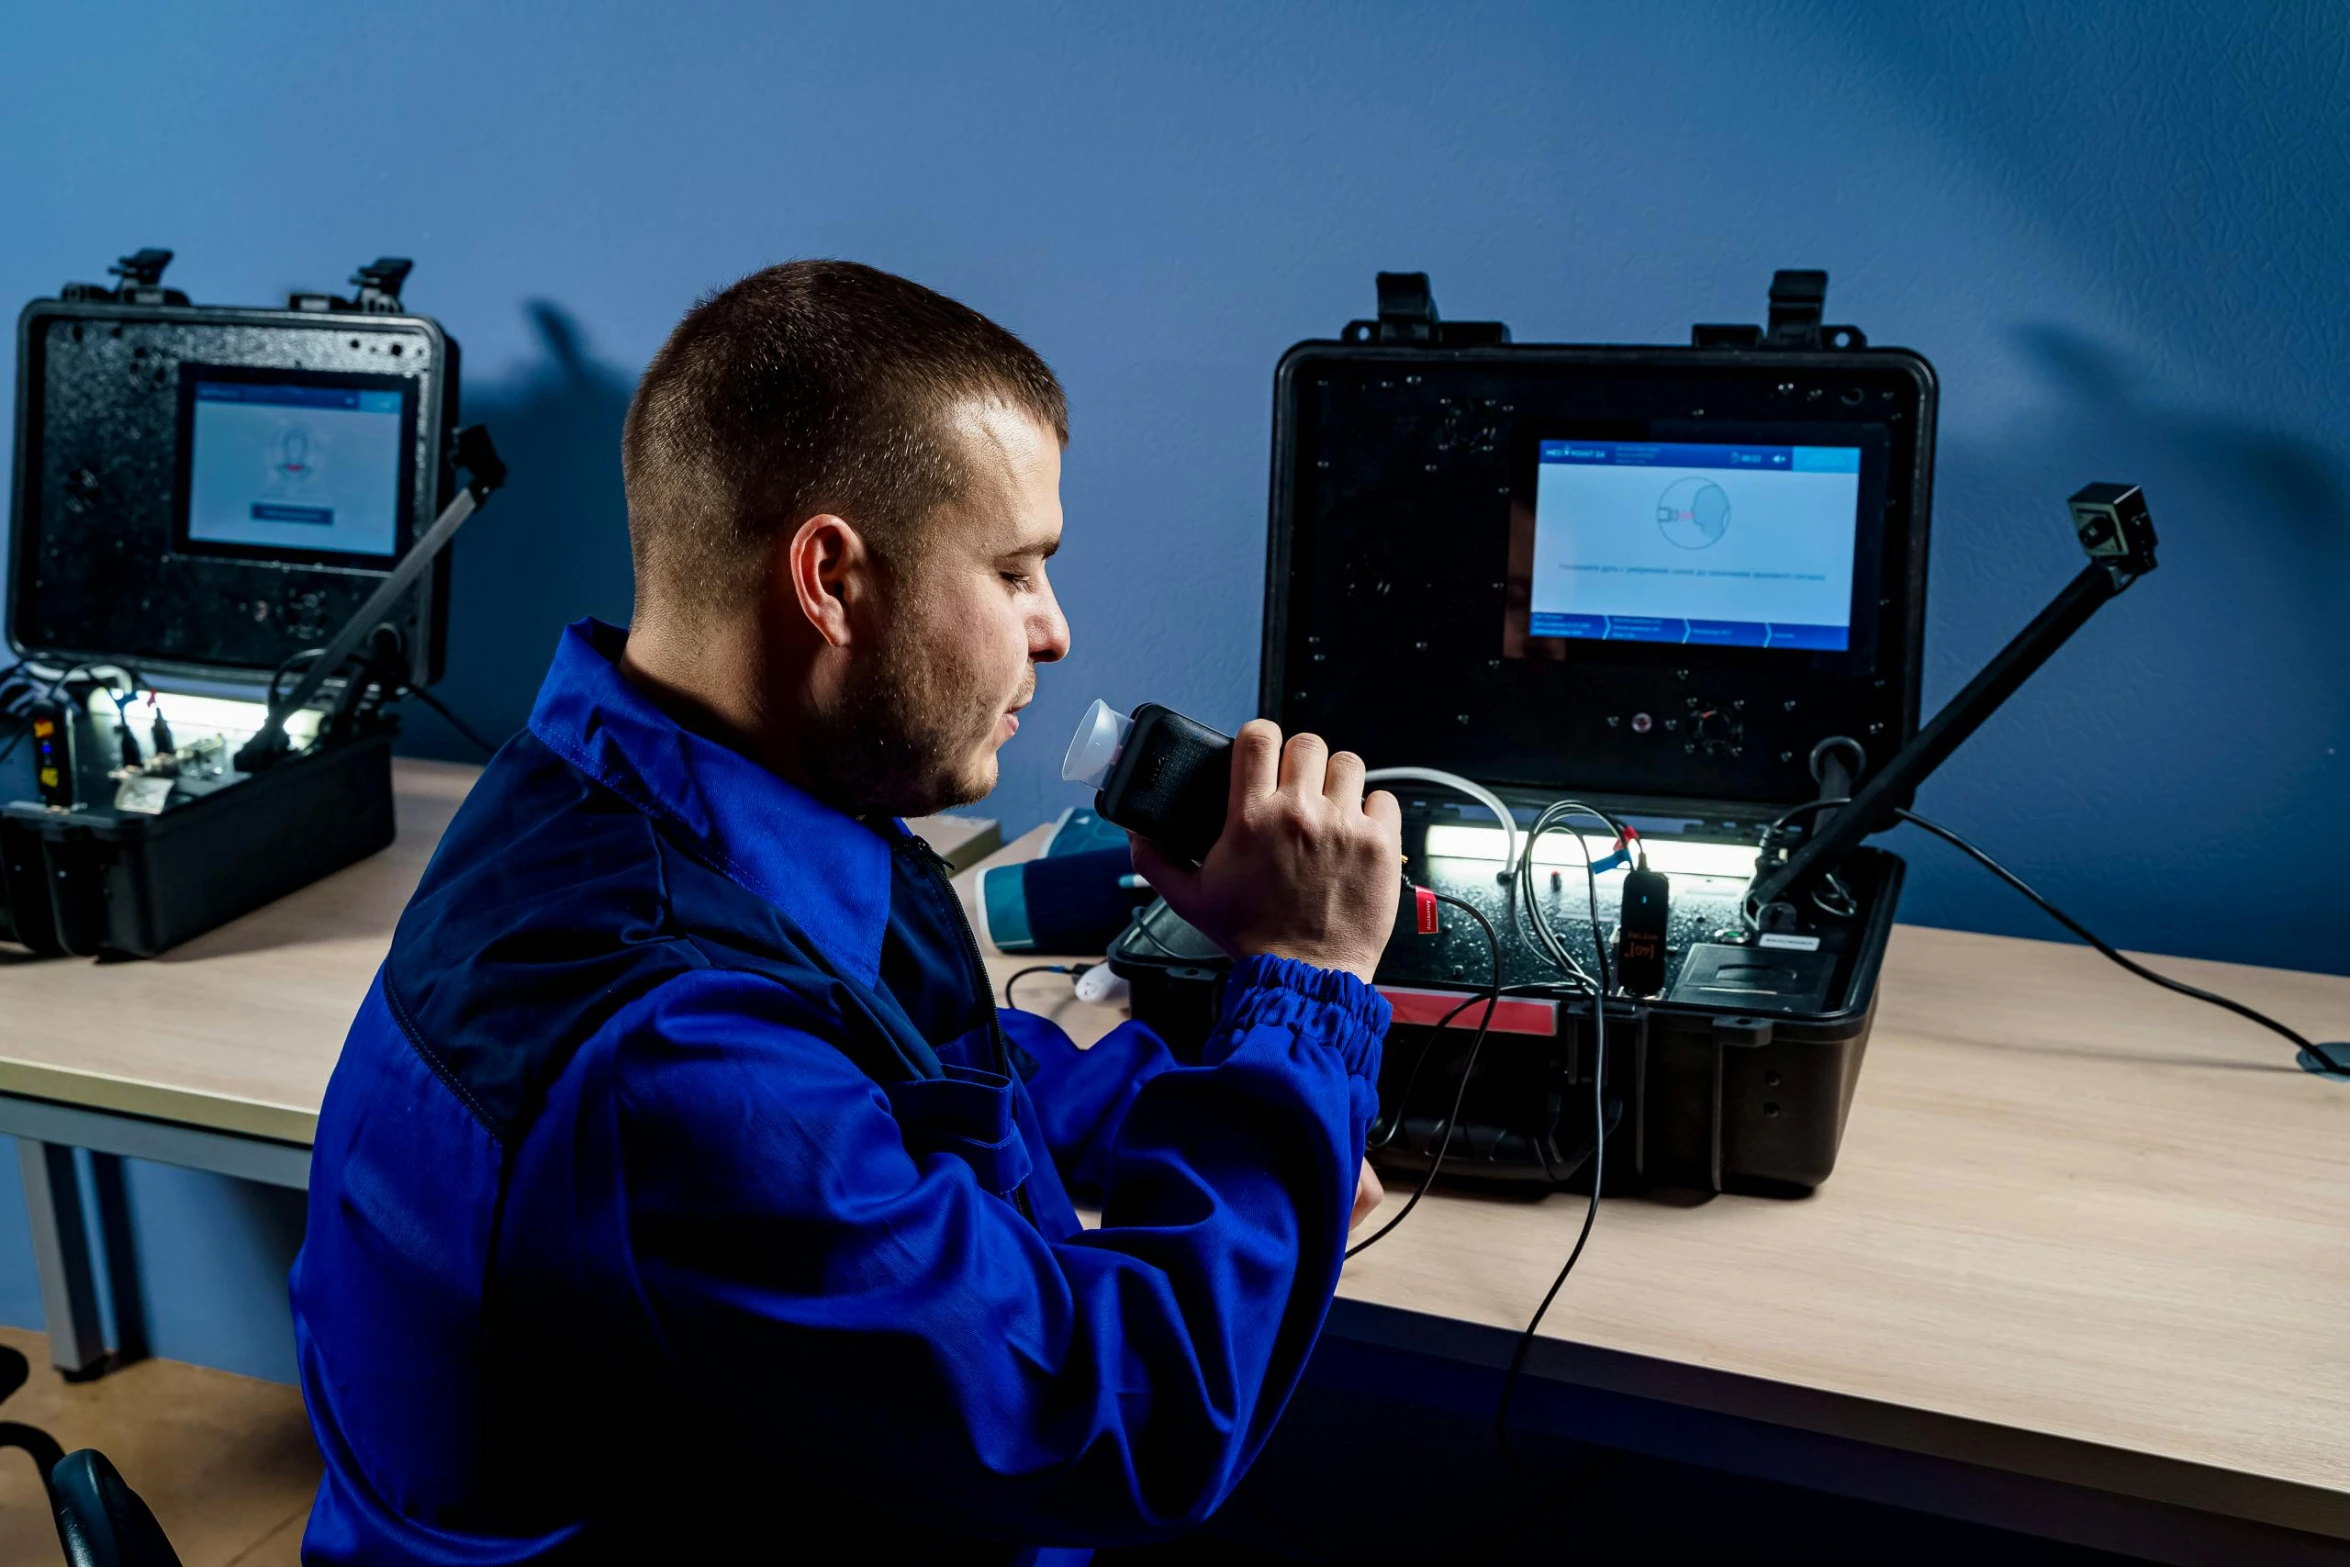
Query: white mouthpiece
[[1093, 751]]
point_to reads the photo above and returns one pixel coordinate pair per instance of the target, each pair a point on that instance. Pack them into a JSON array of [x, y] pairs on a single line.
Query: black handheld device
[[1157, 773], [51, 723], [1645, 919]]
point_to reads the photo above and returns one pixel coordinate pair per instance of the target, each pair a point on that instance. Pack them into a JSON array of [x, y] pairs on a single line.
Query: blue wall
[[2119, 231]]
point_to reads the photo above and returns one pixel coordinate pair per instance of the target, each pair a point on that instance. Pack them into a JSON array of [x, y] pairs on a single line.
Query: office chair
[[14, 1370], [100, 1521]]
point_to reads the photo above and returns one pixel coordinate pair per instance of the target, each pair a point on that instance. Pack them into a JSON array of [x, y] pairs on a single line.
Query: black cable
[[1509, 1380], [470, 734], [1544, 987], [1038, 968], [1141, 926], [1552, 815], [2094, 940], [1538, 919], [1598, 992], [270, 696], [1452, 1119], [1412, 1081], [454, 722]]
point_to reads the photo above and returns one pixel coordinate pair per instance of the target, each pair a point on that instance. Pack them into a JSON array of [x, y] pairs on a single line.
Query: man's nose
[[1048, 631]]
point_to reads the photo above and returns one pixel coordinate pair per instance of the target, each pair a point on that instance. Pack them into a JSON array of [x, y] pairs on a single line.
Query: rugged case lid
[[1398, 618], [95, 574]]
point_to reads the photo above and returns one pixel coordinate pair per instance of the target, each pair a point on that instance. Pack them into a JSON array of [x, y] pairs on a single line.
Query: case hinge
[[1798, 301]]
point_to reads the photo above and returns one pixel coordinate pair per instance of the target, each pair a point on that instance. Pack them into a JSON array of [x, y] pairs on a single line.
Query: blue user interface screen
[[299, 468], [1724, 546]]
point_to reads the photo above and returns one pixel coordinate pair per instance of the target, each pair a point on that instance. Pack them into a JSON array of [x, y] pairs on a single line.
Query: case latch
[[1408, 319], [379, 290], [1407, 308], [1799, 298], [142, 283], [380, 280]]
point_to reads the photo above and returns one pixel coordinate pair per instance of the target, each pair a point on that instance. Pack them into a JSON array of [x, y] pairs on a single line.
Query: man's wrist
[[1356, 964]]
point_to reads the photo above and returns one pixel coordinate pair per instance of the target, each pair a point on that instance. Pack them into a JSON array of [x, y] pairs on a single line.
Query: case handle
[[1799, 298]]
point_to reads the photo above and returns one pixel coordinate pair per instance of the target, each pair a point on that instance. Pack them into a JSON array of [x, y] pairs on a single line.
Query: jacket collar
[[827, 872]]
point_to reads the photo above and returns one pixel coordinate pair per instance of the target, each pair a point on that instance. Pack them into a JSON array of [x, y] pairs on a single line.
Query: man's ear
[[827, 564]]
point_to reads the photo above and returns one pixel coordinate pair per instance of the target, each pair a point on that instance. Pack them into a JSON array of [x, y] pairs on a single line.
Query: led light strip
[[191, 716], [1672, 856]]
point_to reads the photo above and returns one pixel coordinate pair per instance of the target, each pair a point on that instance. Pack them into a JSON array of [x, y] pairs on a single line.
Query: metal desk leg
[[61, 1249], [119, 1250]]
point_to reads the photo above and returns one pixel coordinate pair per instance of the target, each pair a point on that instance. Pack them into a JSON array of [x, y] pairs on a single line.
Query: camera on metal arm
[[2113, 523]]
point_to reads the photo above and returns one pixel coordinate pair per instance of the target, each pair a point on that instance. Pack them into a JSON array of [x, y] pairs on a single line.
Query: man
[[680, 1194]]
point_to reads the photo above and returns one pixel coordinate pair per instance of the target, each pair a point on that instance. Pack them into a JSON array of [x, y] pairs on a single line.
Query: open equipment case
[[1683, 584], [210, 495]]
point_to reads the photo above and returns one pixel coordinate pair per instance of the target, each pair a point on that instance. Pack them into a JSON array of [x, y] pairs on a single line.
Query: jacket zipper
[[940, 871]]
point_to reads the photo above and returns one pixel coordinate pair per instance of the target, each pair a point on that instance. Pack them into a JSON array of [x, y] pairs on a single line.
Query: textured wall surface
[[2118, 230]]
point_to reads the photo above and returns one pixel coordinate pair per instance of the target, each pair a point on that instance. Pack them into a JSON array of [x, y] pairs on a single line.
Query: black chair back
[[100, 1521], [34, 1441]]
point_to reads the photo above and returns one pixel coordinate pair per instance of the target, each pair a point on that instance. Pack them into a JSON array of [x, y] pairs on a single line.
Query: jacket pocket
[[967, 1112]]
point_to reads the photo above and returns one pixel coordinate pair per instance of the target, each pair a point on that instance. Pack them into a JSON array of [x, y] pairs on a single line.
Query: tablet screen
[[1705, 545]]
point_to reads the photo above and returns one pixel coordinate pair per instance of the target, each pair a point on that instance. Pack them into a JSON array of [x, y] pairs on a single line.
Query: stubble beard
[[909, 737]]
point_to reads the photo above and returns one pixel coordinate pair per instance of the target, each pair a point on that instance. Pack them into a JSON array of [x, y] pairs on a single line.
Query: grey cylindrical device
[[1156, 773]]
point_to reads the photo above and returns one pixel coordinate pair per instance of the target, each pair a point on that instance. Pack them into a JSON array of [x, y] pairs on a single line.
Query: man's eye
[[1018, 579]]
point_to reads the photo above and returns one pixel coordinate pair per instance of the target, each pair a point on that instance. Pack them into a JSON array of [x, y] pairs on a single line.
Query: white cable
[[1475, 791]]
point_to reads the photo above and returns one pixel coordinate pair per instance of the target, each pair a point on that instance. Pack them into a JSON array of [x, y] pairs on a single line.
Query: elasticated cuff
[[1327, 1006]]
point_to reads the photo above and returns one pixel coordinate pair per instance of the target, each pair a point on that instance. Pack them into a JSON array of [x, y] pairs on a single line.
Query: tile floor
[[226, 1462]]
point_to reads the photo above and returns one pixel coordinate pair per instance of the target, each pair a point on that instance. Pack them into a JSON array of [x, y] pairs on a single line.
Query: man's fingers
[[1381, 806], [1303, 761], [1343, 783], [1256, 758], [1155, 868]]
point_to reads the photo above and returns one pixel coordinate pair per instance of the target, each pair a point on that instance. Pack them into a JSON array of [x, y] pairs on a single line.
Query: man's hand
[[1307, 867], [1369, 1194]]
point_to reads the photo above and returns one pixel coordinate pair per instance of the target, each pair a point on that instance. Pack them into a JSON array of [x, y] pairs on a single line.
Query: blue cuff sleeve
[[1082, 1096], [1324, 1005]]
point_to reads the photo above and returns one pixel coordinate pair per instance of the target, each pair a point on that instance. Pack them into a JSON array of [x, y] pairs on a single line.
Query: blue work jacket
[[681, 1195]]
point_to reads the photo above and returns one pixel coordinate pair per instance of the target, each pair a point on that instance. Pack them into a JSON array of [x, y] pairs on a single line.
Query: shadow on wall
[[2284, 484], [2248, 516], [552, 547], [2208, 690]]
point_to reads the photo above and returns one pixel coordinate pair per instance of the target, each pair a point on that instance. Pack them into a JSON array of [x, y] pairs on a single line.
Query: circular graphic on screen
[[1694, 513], [293, 451]]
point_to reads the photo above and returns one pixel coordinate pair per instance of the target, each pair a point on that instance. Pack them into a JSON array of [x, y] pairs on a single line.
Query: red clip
[[1424, 900]]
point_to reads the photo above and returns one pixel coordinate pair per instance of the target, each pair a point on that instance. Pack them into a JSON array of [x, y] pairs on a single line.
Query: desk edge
[[2096, 1466], [185, 1106]]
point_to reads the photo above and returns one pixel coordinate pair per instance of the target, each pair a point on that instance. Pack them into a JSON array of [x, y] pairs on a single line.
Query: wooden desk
[[216, 1054], [2082, 1264], [2083, 1267]]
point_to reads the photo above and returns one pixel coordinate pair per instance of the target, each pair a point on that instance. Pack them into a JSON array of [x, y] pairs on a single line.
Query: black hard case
[[1706, 1097], [88, 881], [92, 573], [95, 879]]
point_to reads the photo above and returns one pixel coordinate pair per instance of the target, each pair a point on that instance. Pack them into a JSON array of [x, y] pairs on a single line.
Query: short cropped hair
[[810, 387]]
